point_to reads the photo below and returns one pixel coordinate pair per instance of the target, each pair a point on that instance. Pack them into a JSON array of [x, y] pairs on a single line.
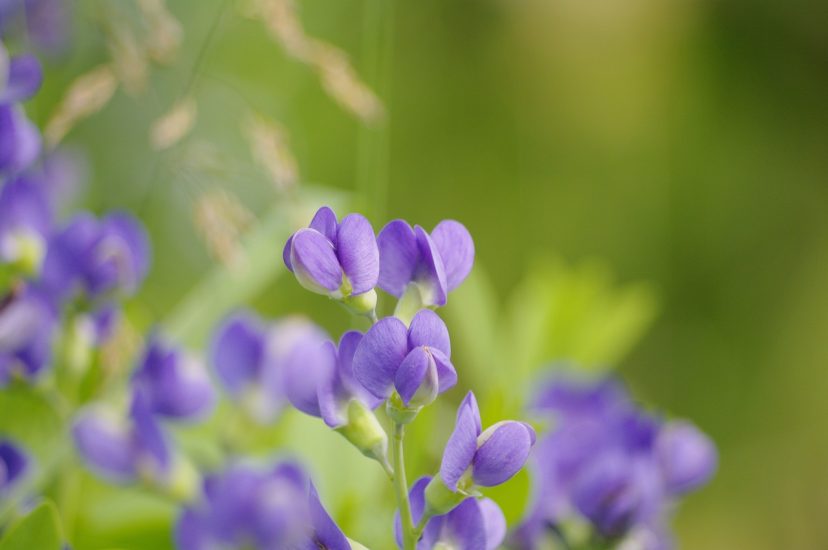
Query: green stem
[[401, 488]]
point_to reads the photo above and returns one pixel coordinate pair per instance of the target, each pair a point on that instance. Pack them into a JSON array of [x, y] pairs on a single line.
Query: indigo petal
[[462, 445], [356, 248], [503, 450], [13, 464], [237, 352], [687, 457], [411, 374], [310, 365], [324, 221], [446, 374], [24, 78], [399, 256], [430, 275], [379, 355], [105, 444], [314, 262], [286, 253], [150, 442], [456, 248], [428, 329], [464, 526], [494, 523], [416, 497], [328, 535]]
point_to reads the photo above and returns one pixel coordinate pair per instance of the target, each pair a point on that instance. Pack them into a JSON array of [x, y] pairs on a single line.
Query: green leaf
[[40, 529]]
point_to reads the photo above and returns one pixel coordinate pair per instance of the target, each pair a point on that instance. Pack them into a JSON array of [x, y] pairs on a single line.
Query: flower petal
[[456, 249], [446, 374], [464, 526], [686, 455], [412, 375], [399, 256], [430, 274], [348, 344], [503, 450], [308, 369], [149, 440], [286, 253], [237, 351], [328, 535], [324, 221], [494, 523], [461, 446], [379, 355], [428, 329], [104, 443], [356, 248], [416, 496], [314, 262], [24, 79]]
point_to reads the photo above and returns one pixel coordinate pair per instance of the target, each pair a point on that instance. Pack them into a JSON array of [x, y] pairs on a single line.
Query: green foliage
[[39, 530]]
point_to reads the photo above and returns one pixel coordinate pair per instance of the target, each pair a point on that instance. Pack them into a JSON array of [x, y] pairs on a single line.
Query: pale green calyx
[[440, 499], [361, 304], [398, 412], [363, 431]]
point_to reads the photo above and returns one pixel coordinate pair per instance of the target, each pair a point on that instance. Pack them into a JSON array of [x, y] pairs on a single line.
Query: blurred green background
[[645, 181]]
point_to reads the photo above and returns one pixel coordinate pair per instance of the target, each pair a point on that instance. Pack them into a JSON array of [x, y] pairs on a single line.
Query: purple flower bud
[[270, 509], [27, 325], [687, 457], [13, 465], [491, 457], [436, 264], [474, 524], [414, 361], [175, 383], [97, 257], [45, 23], [338, 259], [122, 449]]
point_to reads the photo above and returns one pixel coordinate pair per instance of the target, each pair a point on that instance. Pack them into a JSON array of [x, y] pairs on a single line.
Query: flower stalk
[[409, 536]]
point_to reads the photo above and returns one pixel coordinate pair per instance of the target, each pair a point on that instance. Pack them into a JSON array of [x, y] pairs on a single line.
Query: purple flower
[[19, 140], [485, 458], [433, 264], [13, 465], [611, 463], [474, 524], [686, 455], [25, 225], [22, 79], [270, 509], [175, 383], [414, 361], [46, 23], [27, 326], [338, 259], [123, 449], [97, 258]]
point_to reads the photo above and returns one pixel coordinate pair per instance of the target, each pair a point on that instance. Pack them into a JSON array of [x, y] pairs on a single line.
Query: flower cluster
[[612, 464], [403, 361]]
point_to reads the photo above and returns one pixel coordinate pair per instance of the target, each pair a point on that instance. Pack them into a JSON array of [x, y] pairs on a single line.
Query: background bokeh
[[650, 178]]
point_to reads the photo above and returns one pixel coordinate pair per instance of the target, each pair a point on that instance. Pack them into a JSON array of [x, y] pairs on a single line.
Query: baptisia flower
[[245, 506], [474, 524], [20, 78], [336, 258], [123, 449], [175, 383], [25, 225], [251, 359], [610, 463], [320, 381], [412, 363], [27, 327], [421, 269], [97, 259], [13, 465]]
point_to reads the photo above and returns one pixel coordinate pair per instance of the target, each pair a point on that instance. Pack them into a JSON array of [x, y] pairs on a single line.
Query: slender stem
[[401, 488], [421, 525]]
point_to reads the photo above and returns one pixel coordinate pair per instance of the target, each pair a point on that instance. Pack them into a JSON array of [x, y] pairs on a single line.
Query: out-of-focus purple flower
[[610, 462], [13, 465], [474, 524], [25, 225], [414, 361], [434, 264], [97, 258], [687, 457], [486, 458], [62, 174], [175, 383], [269, 509], [252, 359], [27, 325], [22, 79], [46, 23], [19, 140], [123, 449], [338, 259]]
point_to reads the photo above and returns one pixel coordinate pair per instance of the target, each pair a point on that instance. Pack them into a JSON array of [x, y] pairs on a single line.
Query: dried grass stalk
[[88, 94], [271, 150], [165, 31], [221, 220], [174, 125]]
